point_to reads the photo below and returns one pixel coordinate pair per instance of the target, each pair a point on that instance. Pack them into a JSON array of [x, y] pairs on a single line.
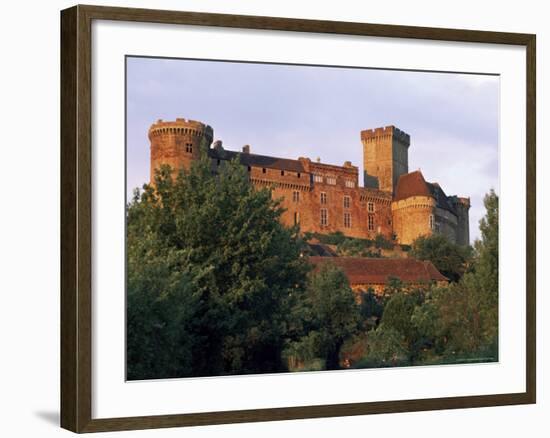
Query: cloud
[[294, 111]]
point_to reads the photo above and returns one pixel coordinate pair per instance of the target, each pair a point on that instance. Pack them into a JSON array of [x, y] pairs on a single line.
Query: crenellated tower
[[385, 157], [324, 198], [177, 143]]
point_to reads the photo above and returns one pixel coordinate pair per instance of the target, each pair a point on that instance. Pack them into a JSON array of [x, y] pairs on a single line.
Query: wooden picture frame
[[76, 218]]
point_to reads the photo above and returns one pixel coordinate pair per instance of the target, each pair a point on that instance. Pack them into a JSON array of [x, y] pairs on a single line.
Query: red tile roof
[[414, 184], [362, 270], [411, 184]]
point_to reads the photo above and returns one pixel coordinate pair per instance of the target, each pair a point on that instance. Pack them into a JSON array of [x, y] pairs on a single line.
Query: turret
[[385, 157], [177, 143], [462, 207]]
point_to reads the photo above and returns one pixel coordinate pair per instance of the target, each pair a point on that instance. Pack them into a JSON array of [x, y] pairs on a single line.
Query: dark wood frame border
[[76, 173]]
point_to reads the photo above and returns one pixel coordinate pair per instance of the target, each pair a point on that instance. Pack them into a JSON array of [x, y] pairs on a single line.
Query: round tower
[[462, 207], [177, 143]]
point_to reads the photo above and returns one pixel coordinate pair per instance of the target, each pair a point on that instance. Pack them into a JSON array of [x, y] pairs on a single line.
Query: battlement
[[325, 197], [370, 134], [181, 126]]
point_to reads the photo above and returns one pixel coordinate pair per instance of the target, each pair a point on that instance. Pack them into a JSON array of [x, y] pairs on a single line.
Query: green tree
[[397, 313], [370, 306], [393, 286], [381, 242], [237, 266], [462, 320], [385, 347], [450, 259], [160, 311], [483, 281], [453, 319], [329, 316], [486, 249], [351, 247]]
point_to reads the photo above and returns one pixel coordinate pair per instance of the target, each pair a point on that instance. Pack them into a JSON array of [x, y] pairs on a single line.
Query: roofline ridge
[[260, 155]]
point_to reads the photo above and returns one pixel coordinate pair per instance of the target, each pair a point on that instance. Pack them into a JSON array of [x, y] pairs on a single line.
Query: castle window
[[370, 207], [346, 201], [318, 178], [323, 198], [295, 196], [189, 148], [249, 168], [282, 173], [331, 180], [296, 218], [324, 217], [219, 162], [371, 222], [432, 222], [264, 170], [298, 175], [350, 184], [347, 219]]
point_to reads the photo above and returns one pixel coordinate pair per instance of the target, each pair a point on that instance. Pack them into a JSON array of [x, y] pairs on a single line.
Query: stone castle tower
[[326, 198], [177, 143], [385, 157], [462, 207]]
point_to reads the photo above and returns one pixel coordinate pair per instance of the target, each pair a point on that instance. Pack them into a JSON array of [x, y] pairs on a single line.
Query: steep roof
[[321, 249], [361, 270], [248, 159], [414, 184], [411, 184], [440, 197]]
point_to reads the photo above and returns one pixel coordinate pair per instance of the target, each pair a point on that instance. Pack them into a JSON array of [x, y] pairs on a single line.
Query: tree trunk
[[333, 357]]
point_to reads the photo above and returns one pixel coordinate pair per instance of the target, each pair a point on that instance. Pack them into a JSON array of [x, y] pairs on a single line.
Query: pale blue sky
[[293, 111]]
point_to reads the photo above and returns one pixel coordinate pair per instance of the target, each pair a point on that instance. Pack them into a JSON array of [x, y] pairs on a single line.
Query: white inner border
[[113, 397]]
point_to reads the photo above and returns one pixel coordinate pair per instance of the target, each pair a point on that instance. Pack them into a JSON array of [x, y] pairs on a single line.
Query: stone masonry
[[326, 198]]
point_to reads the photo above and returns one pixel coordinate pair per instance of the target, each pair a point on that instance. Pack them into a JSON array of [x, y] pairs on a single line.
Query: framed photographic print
[[269, 218]]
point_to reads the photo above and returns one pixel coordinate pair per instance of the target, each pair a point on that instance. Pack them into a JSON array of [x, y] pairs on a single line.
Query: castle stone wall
[[446, 224], [177, 143], [385, 157], [411, 218], [462, 206], [322, 197], [330, 188]]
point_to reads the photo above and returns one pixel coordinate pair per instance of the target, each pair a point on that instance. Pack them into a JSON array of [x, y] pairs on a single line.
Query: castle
[[326, 198]]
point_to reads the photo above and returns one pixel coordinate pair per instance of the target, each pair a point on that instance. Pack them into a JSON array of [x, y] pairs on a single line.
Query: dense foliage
[[328, 315], [216, 285], [352, 246], [210, 276], [450, 259], [452, 324]]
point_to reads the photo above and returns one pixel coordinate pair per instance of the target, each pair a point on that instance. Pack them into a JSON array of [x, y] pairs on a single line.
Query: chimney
[[246, 149]]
